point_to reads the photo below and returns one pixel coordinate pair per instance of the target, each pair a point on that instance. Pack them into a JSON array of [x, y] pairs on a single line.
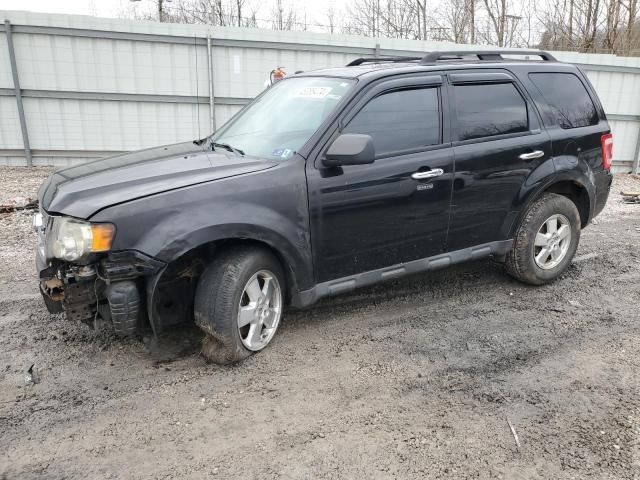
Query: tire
[[526, 260], [124, 306], [223, 289]]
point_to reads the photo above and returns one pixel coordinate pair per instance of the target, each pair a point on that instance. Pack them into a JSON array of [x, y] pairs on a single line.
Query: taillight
[[607, 150]]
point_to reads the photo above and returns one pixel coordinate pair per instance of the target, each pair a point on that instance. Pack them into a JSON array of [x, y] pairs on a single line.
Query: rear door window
[[567, 100], [400, 120], [486, 110]]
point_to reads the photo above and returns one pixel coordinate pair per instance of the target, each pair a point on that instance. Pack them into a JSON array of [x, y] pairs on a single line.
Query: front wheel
[[545, 241], [239, 303]]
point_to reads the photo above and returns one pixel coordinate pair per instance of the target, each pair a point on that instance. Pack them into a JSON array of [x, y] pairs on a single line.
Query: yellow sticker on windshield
[[313, 92]]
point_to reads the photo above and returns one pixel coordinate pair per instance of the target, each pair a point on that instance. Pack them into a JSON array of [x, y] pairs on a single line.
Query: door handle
[[436, 172], [531, 155]]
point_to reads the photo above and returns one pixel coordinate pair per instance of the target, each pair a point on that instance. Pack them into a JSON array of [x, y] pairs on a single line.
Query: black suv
[[328, 181]]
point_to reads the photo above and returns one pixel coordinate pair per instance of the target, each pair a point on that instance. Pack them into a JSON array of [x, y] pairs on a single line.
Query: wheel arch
[[576, 187], [575, 192], [189, 259], [293, 254], [210, 249]]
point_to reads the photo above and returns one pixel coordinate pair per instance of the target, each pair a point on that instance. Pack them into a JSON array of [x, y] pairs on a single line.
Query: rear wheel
[[239, 303], [545, 241]]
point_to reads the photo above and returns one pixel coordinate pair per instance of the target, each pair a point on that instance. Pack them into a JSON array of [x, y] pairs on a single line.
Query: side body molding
[[347, 284]]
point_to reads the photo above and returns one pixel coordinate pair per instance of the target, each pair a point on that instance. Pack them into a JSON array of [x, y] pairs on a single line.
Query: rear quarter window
[[567, 101]]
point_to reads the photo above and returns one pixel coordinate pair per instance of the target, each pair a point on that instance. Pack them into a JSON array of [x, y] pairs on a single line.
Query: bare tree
[[588, 25], [632, 39], [497, 12], [364, 18], [283, 17], [421, 18], [612, 23], [330, 17], [398, 19], [453, 21], [584, 25], [239, 13]]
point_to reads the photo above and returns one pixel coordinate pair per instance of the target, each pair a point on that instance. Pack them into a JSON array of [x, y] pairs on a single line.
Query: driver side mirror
[[350, 149]]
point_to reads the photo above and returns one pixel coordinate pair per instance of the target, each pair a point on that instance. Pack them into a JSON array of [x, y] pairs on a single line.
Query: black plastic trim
[[362, 60], [347, 284], [128, 264], [494, 77], [487, 55]]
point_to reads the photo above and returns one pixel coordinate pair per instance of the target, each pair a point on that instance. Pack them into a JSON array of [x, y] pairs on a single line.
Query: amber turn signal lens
[[101, 237]]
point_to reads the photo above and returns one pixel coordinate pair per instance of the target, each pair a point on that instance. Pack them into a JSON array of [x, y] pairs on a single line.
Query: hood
[[82, 190]]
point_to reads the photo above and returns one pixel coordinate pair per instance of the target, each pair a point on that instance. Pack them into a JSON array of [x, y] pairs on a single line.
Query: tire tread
[[517, 262], [215, 302]]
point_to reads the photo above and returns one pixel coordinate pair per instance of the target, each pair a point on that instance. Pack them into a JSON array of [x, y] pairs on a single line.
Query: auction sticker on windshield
[[313, 92], [282, 152]]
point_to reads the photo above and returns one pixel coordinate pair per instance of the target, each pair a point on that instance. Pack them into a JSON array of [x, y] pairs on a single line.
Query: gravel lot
[[413, 379]]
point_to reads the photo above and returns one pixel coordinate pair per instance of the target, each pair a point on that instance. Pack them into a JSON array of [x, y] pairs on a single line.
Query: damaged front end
[[80, 276]]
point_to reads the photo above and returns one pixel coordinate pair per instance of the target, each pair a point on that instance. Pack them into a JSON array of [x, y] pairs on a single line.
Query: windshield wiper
[[227, 147]]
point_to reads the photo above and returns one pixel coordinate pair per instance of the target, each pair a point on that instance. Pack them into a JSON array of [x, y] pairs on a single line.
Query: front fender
[[269, 206]]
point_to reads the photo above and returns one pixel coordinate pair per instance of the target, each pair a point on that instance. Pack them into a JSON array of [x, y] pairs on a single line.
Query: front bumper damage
[[110, 288]]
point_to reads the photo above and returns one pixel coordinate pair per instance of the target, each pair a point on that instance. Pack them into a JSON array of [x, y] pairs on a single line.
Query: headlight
[[37, 222], [71, 239]]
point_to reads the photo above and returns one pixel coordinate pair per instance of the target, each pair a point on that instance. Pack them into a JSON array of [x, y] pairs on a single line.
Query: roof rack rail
[[360, 61], [486, 55]]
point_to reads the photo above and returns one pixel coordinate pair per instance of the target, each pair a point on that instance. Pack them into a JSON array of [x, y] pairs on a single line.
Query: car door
[[366, 217], [497, 143]]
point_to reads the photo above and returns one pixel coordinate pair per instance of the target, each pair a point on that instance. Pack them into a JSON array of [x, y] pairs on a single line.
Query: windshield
[[280, 121]]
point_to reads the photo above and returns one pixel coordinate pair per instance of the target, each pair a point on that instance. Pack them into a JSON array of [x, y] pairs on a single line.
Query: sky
[[101, 8], [117, 8]]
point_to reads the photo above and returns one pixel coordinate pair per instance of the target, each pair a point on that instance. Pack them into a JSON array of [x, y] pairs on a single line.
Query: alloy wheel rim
[[552, 242], [260, 310]]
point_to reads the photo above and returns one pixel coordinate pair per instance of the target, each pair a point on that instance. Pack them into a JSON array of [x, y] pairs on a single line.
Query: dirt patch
[[20, 184], [19, 187], [411, 379]]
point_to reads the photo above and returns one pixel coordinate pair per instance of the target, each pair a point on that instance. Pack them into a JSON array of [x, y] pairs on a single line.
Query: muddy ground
[[413, 379]]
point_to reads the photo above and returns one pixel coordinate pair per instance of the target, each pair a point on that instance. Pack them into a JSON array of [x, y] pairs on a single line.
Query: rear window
[[490, 109], [567, 100]]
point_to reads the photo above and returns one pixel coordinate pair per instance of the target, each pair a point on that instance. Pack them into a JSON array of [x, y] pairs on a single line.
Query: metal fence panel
[[619, 92], [5, 66], [627, 150], [54, 62], [10, 135], [70, 124]]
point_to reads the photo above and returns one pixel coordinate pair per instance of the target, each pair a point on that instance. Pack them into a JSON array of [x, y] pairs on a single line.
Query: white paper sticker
[[313, 92], [236, 64]]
